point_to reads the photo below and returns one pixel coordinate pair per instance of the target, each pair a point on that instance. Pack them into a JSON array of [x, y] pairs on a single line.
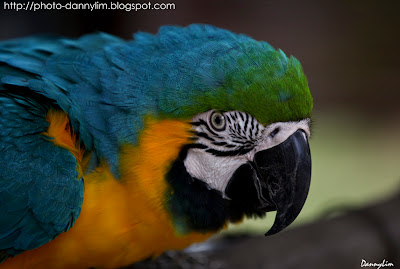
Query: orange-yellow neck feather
[[122, 221], [144, 167], [62, 133]]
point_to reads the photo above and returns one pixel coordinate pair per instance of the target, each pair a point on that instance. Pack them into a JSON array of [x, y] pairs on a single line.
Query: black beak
[[281, 178], [285, 172]]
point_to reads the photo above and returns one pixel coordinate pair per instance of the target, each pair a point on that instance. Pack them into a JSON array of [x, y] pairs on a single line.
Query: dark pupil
[[218, 120]]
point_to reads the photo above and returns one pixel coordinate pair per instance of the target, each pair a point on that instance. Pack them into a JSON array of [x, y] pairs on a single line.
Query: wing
[[41, 191], [77, 74]]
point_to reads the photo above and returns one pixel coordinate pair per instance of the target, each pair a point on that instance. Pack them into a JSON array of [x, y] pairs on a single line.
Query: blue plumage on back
[[40, 192], [107, 85]]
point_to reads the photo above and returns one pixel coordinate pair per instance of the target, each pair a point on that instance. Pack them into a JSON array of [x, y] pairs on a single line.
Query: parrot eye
[[218, 121]]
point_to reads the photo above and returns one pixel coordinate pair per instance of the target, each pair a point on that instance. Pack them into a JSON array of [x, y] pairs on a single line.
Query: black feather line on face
[[240, 151], [246, 121], [204, 135], [221, 144], [242, 137]]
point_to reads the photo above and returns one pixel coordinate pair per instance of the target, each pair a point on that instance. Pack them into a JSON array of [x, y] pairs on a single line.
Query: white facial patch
[[219, 152], [213, 170], [283, 131]]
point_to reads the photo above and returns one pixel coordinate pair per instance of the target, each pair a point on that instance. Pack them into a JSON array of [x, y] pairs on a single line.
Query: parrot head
[[249, 107]]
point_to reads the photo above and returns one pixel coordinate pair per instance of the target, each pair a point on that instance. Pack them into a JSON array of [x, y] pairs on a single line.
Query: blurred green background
[[350, 53]]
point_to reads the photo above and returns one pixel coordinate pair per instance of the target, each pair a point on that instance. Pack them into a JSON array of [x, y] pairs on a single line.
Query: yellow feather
[[62, 133], [122, 221]]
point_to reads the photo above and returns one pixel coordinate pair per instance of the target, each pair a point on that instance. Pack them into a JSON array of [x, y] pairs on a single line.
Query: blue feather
[[106, 86], [37, 197]]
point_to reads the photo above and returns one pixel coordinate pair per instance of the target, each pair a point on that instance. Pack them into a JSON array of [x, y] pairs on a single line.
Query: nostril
[[274, 132]]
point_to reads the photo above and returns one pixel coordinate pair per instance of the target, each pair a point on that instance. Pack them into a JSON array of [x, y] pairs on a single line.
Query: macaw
[[114, 151]]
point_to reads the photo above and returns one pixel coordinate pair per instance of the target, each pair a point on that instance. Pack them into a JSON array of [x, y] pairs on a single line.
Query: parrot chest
[[126, 227], [115, 229], [124, 220]]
